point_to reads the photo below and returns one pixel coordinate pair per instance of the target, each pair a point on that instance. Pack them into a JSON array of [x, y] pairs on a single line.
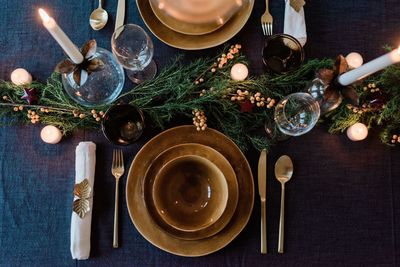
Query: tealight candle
[[354, 60], [239, 72], [21, 76], [51, 134], [357, 132]]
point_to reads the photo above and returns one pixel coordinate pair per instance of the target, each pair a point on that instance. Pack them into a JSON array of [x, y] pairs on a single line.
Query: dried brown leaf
[[65, 66], [331, 94], [77, 76], [340, 65], [326, 75], [350, 94], [95, 65], [89, 49]]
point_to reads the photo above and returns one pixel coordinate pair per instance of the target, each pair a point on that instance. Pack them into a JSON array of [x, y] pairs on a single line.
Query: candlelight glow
[[161, 5], [45, 17], [398, 50]]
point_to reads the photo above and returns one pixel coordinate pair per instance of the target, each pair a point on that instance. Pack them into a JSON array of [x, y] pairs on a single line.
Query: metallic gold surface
[[194, 42]]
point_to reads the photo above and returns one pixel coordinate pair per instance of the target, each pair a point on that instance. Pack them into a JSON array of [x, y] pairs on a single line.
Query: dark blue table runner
[[342, 204]]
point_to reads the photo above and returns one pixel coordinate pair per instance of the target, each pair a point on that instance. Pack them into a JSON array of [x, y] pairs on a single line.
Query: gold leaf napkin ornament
[[297, 4], [81, 206]]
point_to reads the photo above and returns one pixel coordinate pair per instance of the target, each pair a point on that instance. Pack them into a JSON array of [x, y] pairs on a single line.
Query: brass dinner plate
[[135, 195], [208, 153], [194, 42]]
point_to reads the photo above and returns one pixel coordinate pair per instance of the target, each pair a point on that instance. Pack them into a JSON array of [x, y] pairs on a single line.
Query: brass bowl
[[192, 24], [205, 152], [190, 193], [194, 42], [139, 213]]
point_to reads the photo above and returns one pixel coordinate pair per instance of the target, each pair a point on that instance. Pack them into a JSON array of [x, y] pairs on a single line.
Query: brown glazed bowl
[[190, 193], [189, 149]]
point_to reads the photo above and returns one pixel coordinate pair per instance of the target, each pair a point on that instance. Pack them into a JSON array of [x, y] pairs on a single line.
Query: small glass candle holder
[[282, 53], [123, 124], [101, 87]]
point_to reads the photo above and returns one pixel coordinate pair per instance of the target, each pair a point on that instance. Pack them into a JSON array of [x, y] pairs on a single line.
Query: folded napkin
[[85, 162], [295, 23]]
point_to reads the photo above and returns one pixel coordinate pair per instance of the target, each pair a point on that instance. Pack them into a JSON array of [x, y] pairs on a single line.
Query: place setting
[[190, 190]]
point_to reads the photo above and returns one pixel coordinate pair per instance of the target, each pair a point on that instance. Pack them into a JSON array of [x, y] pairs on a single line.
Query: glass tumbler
[[297, 114]]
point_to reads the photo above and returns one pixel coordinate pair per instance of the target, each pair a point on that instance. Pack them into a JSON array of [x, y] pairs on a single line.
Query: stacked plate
[[195, 24], [190, 193]]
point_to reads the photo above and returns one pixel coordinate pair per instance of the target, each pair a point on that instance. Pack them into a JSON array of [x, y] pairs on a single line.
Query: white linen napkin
[[295, 23], [85, 162]]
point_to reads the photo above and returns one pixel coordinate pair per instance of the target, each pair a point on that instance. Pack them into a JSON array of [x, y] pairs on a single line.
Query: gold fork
[[266, 21], [117, 171]]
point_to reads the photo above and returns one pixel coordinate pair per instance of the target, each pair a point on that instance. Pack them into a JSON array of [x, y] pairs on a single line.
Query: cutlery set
[[283, 173]]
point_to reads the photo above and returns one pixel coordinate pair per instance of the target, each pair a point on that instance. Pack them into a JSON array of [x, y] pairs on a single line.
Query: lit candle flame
[[398, 50], [45, 17]]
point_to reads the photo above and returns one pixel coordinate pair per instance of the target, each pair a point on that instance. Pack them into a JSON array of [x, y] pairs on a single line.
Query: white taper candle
[[370, 67], [62, 39]]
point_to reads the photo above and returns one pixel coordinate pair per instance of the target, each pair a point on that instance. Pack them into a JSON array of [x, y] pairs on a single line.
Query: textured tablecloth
[[342, 206]]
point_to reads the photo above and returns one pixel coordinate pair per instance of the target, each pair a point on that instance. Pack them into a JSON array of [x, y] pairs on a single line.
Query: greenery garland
[[204, 92]]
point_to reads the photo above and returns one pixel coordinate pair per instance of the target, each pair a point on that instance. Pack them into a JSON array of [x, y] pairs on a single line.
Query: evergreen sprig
[[176, 91]]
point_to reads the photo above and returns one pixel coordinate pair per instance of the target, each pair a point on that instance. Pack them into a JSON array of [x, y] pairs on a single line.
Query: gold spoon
[[98, 18], [283, 173]]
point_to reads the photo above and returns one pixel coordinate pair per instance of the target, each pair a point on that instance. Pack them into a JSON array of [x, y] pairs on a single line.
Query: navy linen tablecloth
[[342, 206]]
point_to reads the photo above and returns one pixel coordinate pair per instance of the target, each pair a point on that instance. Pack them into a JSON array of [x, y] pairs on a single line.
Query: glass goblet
[[297, 114], [133, 49]]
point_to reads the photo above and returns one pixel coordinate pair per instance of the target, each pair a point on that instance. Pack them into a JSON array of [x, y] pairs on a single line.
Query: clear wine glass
[[133, 49], [297, 114]]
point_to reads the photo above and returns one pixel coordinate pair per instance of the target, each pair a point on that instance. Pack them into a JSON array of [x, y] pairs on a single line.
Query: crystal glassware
[[101, 87], [123, 124], [296, 114], [282, 53], [133, 49]]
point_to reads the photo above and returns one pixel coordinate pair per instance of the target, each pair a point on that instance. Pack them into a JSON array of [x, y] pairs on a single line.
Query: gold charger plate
[[205, 152], [135, 196], [194, 42]]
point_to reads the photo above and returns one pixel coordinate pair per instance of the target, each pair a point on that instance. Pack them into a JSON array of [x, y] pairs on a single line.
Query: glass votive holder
[[101, 87], [123, 124], [282, 53]]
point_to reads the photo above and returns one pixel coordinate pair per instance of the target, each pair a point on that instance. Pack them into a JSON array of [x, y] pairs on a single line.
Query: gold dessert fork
[[266, 21], [117, 171]]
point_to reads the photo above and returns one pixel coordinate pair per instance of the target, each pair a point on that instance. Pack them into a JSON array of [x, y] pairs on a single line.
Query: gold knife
[[262, 190], [119, 20]]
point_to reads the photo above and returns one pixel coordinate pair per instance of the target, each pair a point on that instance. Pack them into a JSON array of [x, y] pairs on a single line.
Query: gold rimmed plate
[[136, 202], [216, 158], [194, 42]]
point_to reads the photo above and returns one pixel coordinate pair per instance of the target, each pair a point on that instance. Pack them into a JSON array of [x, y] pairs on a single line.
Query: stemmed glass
[[297, 114], [133, 49]]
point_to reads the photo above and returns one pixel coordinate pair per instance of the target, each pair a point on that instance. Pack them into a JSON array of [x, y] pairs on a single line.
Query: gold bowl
[[195, 17], [185, 150], [190, 193]]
